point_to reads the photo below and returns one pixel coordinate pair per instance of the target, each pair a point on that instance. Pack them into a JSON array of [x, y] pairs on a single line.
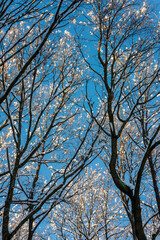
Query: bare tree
[[126, 76], [43, 146]]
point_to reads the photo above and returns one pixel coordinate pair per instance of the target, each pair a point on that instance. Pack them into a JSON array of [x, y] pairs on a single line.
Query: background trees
[[93, 212]]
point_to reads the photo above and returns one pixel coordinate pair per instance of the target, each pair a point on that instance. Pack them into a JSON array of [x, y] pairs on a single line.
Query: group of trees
[[93, 212], [79, 83]]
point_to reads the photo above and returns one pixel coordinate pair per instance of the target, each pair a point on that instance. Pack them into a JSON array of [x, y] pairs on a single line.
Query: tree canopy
[[79, 86]]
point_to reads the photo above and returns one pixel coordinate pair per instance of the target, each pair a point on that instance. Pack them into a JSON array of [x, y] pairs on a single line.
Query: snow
[[111, 126], [130, 185]]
